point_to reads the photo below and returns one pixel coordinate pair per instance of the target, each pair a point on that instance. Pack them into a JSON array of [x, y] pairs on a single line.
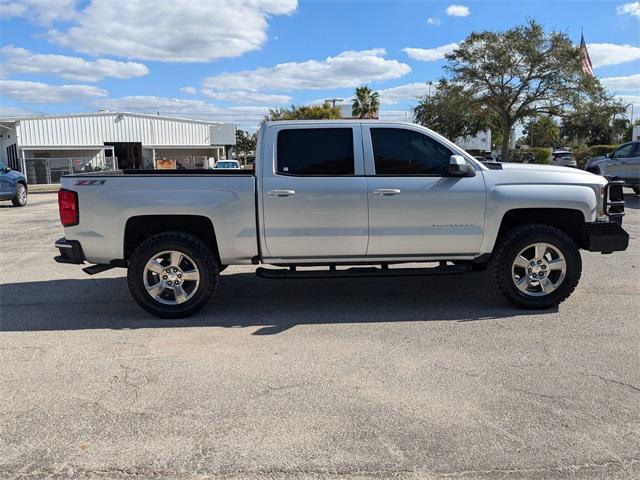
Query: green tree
[[305, 112], [519, 73], [245, 143], [591, 117], [542, 131], [628, 134], [453, 111], [366, 103]]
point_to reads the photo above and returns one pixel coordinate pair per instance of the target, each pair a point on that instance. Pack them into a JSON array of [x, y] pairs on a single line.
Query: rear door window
[[315, 151], [398, 151]]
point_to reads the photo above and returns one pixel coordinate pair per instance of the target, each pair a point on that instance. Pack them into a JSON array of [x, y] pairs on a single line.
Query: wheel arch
[[568, 220], [139, 228]]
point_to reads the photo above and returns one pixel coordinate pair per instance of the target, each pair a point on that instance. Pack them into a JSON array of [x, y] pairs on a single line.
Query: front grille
[[614, 200]]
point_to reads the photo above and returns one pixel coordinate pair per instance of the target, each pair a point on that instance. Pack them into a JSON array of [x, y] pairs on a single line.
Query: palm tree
[[366, 103]]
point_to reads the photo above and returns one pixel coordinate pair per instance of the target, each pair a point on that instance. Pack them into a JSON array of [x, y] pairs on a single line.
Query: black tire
[[20, 200], [636, 190], [510, 246], [190, 245]]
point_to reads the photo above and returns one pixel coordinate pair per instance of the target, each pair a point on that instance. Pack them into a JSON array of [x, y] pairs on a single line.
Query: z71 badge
[[90, 182]]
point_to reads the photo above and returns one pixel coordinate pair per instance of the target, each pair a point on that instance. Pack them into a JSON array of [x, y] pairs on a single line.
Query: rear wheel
[[536, 266], [172, 274], [20, 200]]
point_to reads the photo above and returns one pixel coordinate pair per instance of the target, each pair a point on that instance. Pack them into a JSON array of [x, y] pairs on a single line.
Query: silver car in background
[[563, 158], [621, 164]]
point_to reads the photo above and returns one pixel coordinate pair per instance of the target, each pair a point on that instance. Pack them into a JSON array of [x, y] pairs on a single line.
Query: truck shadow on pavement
[[272, 306], [632, 201]]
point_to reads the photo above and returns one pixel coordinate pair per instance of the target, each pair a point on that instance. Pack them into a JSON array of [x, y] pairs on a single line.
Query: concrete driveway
[[370, 378]]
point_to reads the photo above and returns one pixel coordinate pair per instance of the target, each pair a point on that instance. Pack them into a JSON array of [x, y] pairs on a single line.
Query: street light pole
[[333, 100]]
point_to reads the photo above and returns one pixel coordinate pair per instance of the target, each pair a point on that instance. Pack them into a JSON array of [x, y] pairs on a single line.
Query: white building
[[47, 147], [482, 141]]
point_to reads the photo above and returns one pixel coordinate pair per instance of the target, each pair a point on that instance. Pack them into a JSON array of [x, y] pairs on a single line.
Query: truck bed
[[109, 200]]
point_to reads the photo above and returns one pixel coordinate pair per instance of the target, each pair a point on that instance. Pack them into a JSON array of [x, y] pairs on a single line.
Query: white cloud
[[409, 91], [434, 22], [244, 97], [630, 99], [189, 90], [165, 30], [458, 11], [631, 8], [430, 54], [347, 69], [36, 92], [38, 11], [21, 60], [247, 115], [603, 54], [6, 111], [623, 84]]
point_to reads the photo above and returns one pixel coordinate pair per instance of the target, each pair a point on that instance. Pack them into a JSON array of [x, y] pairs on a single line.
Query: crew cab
[[338, 199]]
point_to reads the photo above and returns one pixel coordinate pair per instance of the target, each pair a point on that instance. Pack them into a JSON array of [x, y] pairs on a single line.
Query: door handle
[[386, 191], [281, 193]]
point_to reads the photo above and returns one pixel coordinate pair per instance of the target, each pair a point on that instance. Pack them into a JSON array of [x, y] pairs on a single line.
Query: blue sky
[[231, 60]]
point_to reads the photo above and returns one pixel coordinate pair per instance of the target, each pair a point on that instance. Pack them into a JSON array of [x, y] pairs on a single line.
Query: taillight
[[68, 207]]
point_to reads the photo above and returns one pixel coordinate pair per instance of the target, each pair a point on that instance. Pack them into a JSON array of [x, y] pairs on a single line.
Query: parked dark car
[[13, 186]]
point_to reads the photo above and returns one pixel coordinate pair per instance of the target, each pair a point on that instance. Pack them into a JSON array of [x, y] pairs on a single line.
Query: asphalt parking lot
[[370, 378]]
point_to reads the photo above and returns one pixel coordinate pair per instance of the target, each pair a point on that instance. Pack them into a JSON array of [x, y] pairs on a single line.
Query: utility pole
[[333, 101]]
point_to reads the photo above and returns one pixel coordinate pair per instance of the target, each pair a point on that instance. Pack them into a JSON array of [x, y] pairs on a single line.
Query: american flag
[[587, 66]]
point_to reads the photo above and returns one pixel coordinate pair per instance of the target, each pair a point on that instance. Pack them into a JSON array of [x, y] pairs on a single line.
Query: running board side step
[[357, 272], [95, 269]]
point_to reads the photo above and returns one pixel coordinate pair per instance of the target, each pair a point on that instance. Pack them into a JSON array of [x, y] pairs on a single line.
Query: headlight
[[601, 216]]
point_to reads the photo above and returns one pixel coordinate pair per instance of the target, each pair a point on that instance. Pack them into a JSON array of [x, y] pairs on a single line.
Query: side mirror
[[458, 167]]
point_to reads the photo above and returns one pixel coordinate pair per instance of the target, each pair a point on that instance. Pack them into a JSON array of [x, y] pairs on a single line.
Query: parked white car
[[563, 158], [232, 164]]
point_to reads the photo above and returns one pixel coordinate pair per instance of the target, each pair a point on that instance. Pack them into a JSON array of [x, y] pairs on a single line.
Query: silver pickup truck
[[340, 199]]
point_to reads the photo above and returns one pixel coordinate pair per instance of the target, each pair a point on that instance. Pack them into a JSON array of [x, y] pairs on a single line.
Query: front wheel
[[536, 266], [20, 200], [172, 274]]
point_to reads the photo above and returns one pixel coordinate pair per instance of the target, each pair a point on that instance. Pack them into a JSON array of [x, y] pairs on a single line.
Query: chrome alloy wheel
[[171, 277], [539, 269], [22, 194]]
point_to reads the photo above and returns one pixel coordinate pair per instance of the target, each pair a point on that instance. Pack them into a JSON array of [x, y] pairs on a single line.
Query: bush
[[584, 154], [541, 155]]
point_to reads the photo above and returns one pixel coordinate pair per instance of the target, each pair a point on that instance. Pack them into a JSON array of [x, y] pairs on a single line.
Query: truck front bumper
[[70, 252], [605, 237]]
